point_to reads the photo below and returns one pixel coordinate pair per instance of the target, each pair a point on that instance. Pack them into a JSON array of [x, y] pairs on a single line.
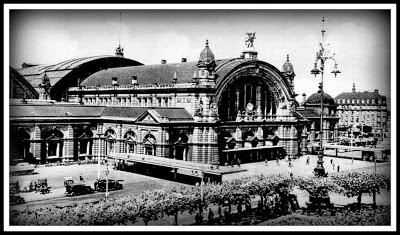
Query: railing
[[268, 118], [136, 87]]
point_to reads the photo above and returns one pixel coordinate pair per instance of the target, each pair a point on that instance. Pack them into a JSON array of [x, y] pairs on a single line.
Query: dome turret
[[287, 68], [206, 55], [316, 99]]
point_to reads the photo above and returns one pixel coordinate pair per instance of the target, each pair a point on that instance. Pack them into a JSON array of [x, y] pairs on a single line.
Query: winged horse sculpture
[[250, 39]]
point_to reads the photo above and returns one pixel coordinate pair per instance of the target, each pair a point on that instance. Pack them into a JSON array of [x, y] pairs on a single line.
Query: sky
[[360, 39]]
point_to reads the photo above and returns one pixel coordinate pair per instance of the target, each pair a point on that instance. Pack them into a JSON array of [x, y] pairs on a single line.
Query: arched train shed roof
[[151, 74], [66, 74]]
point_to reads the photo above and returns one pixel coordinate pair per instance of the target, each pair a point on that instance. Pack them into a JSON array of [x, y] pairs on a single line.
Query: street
[[134, 183]]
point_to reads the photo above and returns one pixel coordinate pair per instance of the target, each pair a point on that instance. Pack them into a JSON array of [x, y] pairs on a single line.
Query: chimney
[[163, 61], [134, 80], [376, 91], [115, 81], [183, 60]]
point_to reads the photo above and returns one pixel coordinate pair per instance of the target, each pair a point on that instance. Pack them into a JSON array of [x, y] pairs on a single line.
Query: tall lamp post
[[107, 180], [321, 57], [98, 159]]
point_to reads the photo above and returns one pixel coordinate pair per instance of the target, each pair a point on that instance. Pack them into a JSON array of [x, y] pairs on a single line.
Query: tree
[[355, 184]]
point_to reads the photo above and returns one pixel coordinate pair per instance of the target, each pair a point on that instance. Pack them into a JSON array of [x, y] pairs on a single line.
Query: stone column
[[260, 136], [119, 140], [205, 153], [238, 138], [312, 132], [36, 145], [336, 133], [196, 144], [303, 145], [69, 142]]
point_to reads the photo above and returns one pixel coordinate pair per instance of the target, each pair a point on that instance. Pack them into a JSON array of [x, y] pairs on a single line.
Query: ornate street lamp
[[107, 171], [98, 159], [321, 57]]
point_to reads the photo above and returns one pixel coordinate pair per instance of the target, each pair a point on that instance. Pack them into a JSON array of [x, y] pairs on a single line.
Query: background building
[[363, 109], [311, 110]]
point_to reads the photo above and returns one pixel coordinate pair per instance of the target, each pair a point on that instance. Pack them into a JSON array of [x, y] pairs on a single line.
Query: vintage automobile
[[42, 186], [100, 185], [68, 181], [78, 189], [22, 168]]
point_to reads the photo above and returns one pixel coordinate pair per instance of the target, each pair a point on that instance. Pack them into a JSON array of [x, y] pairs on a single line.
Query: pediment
[[147, 118]]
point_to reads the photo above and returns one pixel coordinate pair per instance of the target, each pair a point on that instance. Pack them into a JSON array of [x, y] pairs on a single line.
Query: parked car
[[78, 189], [100, 185], [68, 181]]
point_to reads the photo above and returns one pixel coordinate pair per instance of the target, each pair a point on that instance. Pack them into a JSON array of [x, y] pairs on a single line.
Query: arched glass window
[[130, 142], [84, 142], [179, 141], [149, 143], [110, 138], [20, 146], [54, 143]]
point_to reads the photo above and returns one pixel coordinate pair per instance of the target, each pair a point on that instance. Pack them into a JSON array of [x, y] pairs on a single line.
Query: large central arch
[[253, 82]]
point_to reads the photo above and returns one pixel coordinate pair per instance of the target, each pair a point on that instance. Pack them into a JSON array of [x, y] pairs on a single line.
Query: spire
[[354, 87], [119, 52], [119, 41]]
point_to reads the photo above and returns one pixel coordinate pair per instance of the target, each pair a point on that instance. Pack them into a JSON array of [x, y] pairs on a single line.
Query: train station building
[[210, 111]]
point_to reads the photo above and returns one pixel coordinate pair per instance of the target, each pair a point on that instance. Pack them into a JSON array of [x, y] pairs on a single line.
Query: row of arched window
[[129, 101]]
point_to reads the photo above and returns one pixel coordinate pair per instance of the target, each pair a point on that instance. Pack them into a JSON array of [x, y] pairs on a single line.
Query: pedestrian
[[266, 162], [210, 216], [291, 174], [226, 216], [338, 167], [197, 218], [331, 161], [35, 186], [333, 166], [238, 162], [290, 164], [308, 161], [81, 177], [232, 163], [219, 212]]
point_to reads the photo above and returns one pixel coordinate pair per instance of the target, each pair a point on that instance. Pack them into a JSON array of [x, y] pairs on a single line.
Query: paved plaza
[[137, 183]]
